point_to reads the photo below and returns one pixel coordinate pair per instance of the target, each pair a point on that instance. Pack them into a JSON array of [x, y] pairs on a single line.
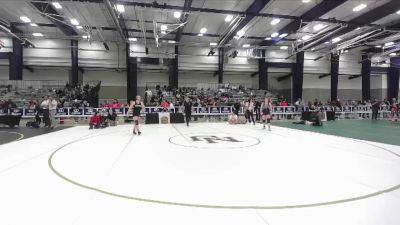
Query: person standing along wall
[[52, 111], [45, 109]]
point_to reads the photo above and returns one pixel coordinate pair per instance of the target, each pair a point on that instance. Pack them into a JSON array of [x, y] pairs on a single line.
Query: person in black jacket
[[188, 110], [112, 117], [375, 109]]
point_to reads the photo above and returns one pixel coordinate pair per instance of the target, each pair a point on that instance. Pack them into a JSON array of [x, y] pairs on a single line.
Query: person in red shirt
[[165, 105], [116, 104], [95, 121], [284, 103]]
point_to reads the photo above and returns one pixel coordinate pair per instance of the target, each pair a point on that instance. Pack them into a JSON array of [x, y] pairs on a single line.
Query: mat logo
[[212, 139]]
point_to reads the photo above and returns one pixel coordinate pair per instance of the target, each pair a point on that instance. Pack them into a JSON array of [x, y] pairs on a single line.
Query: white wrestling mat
[[210, 173]]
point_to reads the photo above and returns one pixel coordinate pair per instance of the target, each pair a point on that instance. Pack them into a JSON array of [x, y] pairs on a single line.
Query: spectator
[[46, 114], [52, 111], [112, 117], [95, 121]]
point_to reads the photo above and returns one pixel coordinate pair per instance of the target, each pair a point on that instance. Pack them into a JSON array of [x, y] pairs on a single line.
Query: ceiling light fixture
[[203, 30], [306, 37], [267, 39], [37, 34], [283, 35], [392, 54], [359, 7], [200, 35], [319, 27], [275, 21], [164, 27], [228, 18], [305, 1], [57, 5], [246, 46], [398, 12], [378, 46], [133, 39], [240, 33], [171, 41], [213, 44], [337, 39], [34, 25], [389, 44], [177, 14], [25, 19], [79, 27], [274, 34], [284, 47], [120, 8], [74, 22]]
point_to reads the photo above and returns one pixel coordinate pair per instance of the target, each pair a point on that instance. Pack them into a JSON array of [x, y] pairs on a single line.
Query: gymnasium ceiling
[[310, 25]]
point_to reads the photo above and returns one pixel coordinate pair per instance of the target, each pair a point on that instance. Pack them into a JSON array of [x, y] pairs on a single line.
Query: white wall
[[195, 66]]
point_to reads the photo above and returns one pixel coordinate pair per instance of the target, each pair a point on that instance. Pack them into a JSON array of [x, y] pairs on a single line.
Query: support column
[[262, 73], [366, 77], [393, 78], [334, 76], [297, 78], [174, 70], [221, 55], [16, 60], [74, 74], [131, 75]]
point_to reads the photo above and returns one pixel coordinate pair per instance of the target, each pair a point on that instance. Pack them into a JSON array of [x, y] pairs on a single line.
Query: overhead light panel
[[393, 54], [378, 46], [398, 12], [57, 5], [74, 22], [275, 21], [120, 8], [306, 37], [177, 14], [25, 19], [163, 32], [336, 40], [319, 27], [313, 49], [241, 33], [284, 47], [171, 41], [389, 44], [228, 18], [305, 1], [246, 46], [79, 27], [164, 27], [37, 34], [132, 39], [283, 35], [86, 36], [359, 7], [200, 35], [213, 44], [267, 39], [34, 25], [274, 34], [203, 30]]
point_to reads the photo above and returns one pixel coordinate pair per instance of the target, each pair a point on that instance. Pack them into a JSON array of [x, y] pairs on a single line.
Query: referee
[[188, 110]]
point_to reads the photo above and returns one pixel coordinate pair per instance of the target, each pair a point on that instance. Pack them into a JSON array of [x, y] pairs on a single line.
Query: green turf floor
[[378, 131]]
